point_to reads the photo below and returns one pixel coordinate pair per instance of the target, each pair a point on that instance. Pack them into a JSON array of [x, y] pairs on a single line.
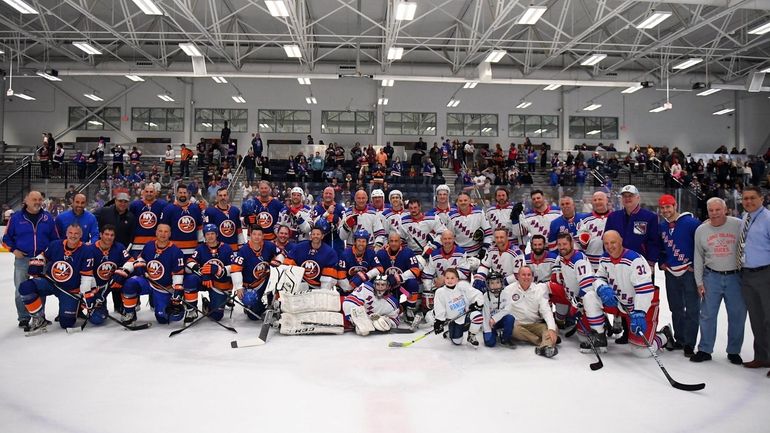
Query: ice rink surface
[[107, 379]]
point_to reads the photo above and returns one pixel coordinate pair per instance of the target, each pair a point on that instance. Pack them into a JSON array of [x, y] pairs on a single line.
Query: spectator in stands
[[544, 148], [200, 149], [435, 154], [117, 158], [91, 163], [457, 156], [310, 139], [721, 149], [185, 156], [58, 158], [224, 135], [389, 152], [134, 158], [317, 166], [470, 151], [525, 178], [757, 170], [339, 154], [44, 156], [216, 156], [356, 152], [257, 146], [250, 164], [80, 162], [611, 147], [382, 157], [302, 169], [531, 159], [7, 213], [169, 161], [395, 170], [428, 170], [232, 152], [70, 194]]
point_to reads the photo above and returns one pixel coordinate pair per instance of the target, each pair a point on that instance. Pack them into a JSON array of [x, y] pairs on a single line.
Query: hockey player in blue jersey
[[159, 273], [566, 223], [185, 220], [318, 259], [331, 211], [212, 269], [64, 270], [227, 219], [108, 257], [147, 211], [357, 263], [255, 259], [262, 211], [400, 265]]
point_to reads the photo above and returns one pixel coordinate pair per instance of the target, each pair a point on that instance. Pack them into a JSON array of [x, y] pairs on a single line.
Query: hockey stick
[[194, 322], [262, 339], [137, 326], [598, 364], [161, 288], [409, 343], [78, 298]]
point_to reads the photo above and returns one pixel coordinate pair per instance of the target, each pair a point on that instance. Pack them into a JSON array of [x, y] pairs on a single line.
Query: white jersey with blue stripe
[[364, 296], [594, 226], [440, 261], [465, 225], [576, 273], [630, 277]]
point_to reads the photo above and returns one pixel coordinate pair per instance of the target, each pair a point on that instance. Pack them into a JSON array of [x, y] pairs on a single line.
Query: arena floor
[[107, 379]]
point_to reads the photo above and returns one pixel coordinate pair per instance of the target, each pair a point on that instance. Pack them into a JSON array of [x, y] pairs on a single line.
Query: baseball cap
[[122, 196], [666, 199], [630, 189]]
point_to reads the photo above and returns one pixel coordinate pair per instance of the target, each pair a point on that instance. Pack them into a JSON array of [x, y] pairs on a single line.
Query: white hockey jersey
[[575, 273], [441, 214], [298, 221], [450, 304], [631, 279], [500, 217], [496, 307], [363, 296], [539, 223], [531, 305], [421, 232], [391, 220], [594, 226], [464, 226], [541, 266], [506, 262], [367, 220], [440, 261]]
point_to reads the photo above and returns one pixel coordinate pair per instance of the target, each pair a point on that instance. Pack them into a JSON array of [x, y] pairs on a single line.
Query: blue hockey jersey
[[67, 267], [266, 215], [639, 231], [106, 262], [332, 238], [162, 265], [350, 265], [678, 242], [563, 225], [255, 264], [402, 263], [320, 264], [147, 218], [228, 224], [186, 225], [221, 255]]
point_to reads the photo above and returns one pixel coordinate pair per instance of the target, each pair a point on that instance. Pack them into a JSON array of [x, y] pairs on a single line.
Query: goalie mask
[[495, 283], [381, 286]]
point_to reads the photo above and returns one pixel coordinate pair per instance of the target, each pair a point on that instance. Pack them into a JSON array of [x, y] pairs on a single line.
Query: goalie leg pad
[[290, 279], [316, 300], [323, 322]]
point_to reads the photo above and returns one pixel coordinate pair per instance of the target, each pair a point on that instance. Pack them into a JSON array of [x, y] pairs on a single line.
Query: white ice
[[107, 379]]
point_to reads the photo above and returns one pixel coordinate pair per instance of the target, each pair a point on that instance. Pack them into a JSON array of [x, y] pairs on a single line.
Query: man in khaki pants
[[534, 318]]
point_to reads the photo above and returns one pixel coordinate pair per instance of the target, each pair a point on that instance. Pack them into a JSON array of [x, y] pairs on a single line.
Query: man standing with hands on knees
[[717, 276], [753, 258]]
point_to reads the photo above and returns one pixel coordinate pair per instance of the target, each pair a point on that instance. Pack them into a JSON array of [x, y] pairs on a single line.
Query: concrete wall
[[690, 125]]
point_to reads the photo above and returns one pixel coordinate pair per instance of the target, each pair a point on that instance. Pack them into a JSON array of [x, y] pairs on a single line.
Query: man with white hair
[[391, 217], [470, 226], [362, 216], [591, 229], [441, 211], [296, 215]]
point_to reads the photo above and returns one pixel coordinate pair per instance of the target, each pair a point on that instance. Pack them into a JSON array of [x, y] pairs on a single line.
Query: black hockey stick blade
[[259, 341], [597, 365], [675, 384], [136, 326]]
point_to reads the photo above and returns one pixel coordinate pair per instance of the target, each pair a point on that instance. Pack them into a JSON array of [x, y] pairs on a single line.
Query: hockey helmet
[[250, 298], [322, 225], [248, 207], [495, 282], [361, 234], [381, 285], [395, 192], [378, 193], [209, 228], [298, 190], [443, 187]]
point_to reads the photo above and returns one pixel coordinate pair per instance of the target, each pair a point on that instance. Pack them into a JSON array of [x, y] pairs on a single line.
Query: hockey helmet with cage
[[495, 283], [381, 285]]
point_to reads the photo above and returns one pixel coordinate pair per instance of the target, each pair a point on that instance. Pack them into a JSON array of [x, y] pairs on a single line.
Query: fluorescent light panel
[[86, 48], [47, 76], [395, 53], [21, 6], [239, 99], [495, 56], [387, 83], [148, 7], [658, 109], [277, 8], [532, 15], [708, 92], [470, 84], [594, 59], [95, 122], [654, 20], [311, 100], [303, 81], [766, 70], [723, 111], [592, 107], [190, 49], [135, 78], [292, 51], [524, 104], [405, 10], [24, 96], [382, 101], [219, 80], [453, 103], [761, 30], [552, 87], [687, 63], [632, 89], [593, 132], [166, 98], [93, 97]]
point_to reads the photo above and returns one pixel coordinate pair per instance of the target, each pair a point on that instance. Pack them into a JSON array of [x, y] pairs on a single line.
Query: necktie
[[742, 241]]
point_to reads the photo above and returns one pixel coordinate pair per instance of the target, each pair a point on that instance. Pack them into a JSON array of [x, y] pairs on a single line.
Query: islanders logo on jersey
[[264, 219], [105, 270], [155, 270], [148, 220], [61, 271], [220, 265], [227, 228], [393, 271], [186, 224], [260, 270], [356, 269], [312, 269]]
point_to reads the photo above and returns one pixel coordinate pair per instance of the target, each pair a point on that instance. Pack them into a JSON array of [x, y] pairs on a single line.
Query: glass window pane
[[610, 128], [427, 124], [454, 125], [577, 127], [266, 120], [302, 122], [409, 124], [393, 123], [550, 127], [157, 119], [347, 122], [532, 126], [488, 124], [593, 127], [239, 120], [138, 118], [175, 119], [472, 125], [202, 120]]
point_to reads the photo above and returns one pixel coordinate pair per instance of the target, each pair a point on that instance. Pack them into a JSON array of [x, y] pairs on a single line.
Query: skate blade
[[35, 332]]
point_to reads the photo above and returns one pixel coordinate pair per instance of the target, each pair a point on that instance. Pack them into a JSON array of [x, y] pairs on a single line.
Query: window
[[418, 124], [157, 119], [593, 128], [285, 121], [471, 125], [347, 122], [535, 126], [213, 119], [110, 114]]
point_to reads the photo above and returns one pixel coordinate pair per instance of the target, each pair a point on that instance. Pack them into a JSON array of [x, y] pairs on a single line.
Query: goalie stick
[[267, 322]]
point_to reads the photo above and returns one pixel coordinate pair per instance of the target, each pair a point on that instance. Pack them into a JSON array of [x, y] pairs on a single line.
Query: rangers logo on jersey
[[148, 220], [312, 269], [105, 270], [186, 224], [61, 271], [640, 227], [227, 228], [264, 219], [155, 270]]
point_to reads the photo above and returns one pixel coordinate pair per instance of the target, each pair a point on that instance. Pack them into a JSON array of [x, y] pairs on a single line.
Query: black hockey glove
[[438, 326], [518, 208]]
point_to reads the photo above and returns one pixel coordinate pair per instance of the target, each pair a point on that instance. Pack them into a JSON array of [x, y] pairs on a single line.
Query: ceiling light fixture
[[632, 89], [135, 78], [311, 100], [304, 81], [659, 109], [405, 10], [24, 96], [524, 104], [708, 92], [470, 84], [766, 70], [654, 20], [219, 80], [21, 6], [593, 59], [277, 8], [723, 111], [166, 97], [148, 7], [395, 53], [86, 48], [592, 107], [532, 15], [239, 99], [552, 87], [93, 97], [387, 83], [687, 63], [48, 76], [453, 103], [292, 51], [190, 49], [761, 30], [382, 101], [495, 56]]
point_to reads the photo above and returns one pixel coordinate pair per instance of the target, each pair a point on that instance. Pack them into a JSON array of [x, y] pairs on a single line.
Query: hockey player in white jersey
[[591, 229], [458, 303], [470, 226], [378, 201], [371, 307], [421, 232], [362, 216], [624, 285], [506, 215], [391, 217], [532, 312], [540, 260], [450, 255], [502, 258], [498, 320], [537, 221], [442, 208], [296, 216]]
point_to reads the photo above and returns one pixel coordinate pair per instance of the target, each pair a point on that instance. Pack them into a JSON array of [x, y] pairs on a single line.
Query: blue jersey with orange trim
[[65, 266], [106, 262], [350, 264], [228, 224], [320, 264], [221, 255], [147, 218], [332, 238], [267, 215], [255, 264], [162, 264], [186, 225], [403, 263]]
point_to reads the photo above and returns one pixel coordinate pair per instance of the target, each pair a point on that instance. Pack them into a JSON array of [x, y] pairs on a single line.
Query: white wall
[[690, 125]]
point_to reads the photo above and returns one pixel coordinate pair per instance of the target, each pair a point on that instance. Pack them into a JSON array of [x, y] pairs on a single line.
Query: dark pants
[[119, 166], [756, 293], [684, 303], [184, 167]]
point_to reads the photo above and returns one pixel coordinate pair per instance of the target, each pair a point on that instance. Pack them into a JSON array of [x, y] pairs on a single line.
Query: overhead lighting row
[[93, 97], [723, 111], [453, 103], [166, 97], [219, 80]]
